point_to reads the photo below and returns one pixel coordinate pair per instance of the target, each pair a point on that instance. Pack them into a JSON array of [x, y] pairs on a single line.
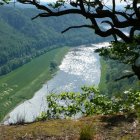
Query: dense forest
[[22, 39]]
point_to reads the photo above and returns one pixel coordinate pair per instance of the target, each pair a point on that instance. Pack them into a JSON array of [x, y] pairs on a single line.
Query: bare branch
[[82, 6], [132, 31], [111, 24], [81, 26], [109, 16], [38, 6], [108, 22], [125, 76], [60, 13], [135, 2], [109, 32], [40, 15], [114, 5]]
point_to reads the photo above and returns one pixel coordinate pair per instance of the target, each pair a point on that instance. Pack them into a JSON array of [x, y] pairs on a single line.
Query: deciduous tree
[[96, 10]]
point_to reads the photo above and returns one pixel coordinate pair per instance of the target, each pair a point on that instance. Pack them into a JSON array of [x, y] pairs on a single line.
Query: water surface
[[80, 66]]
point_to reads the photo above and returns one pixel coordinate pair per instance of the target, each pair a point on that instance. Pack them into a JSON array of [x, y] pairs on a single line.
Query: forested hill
[[21, 38]]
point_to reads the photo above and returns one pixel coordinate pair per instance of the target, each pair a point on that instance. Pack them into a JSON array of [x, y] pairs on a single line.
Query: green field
[[22, 83]]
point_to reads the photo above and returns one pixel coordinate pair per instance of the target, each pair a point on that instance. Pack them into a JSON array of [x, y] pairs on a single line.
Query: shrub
[[42, 117], [90, 102]]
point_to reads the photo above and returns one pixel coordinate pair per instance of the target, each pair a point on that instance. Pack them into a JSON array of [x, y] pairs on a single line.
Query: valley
[[22, 83]]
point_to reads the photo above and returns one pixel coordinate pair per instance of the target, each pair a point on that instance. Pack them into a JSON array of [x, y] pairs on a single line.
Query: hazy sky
[[109, 2], [117, 2]]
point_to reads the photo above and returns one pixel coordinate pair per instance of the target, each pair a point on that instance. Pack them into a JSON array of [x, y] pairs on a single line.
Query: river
[[80, 66]]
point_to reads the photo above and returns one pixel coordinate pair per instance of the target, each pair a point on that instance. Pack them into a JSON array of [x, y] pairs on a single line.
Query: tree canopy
[[93, 10], [116, 18]]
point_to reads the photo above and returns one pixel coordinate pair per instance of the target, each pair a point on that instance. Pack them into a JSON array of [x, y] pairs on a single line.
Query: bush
[[90, 102], [42, 117]]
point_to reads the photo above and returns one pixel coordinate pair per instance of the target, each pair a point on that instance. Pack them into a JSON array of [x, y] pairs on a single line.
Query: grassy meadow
[[22, 83]]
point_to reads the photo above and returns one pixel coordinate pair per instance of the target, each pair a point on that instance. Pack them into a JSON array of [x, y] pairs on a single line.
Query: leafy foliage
[[123, 52], [90, 102], [127, 53], [57, 4], [42, 117]]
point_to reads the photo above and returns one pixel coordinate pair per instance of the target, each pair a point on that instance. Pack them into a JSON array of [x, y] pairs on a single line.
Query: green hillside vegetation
[[22, 39], [110, 71], [22, 83]]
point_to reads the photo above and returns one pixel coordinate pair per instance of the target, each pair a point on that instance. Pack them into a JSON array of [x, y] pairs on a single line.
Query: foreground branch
[[81, 26], [125, 76]]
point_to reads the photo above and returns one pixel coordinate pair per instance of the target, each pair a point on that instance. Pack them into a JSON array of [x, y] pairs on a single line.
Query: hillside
[[22, 39], [110, 71], [21, 84], [115, 127]]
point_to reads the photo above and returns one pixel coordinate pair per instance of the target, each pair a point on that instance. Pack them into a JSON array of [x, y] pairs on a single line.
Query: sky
[[108, 2]]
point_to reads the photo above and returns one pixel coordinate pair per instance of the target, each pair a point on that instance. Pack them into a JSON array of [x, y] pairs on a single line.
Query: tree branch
[[40, 15], [109, 16], [109, 32], [82, 6], [125, 76], [135, 2], [114, 5], [100, 14], [80, 26], [111, 24], [59, 13], [38, 6], [132, 31]]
